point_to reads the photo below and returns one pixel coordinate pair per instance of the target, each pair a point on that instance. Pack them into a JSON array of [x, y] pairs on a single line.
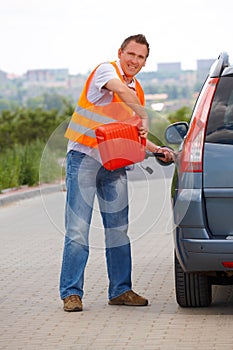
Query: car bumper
[[204, 255]]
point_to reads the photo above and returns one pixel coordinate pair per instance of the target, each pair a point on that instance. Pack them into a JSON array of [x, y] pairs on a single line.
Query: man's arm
[[129, 97]]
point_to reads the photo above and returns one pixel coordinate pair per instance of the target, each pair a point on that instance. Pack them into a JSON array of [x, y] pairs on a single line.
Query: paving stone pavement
[[31, 312]]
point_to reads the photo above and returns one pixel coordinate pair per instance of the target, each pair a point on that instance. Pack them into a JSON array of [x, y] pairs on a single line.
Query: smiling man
[[111, 93]]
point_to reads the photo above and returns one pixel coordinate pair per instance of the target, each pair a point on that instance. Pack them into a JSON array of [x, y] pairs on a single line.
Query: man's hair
[[139, 38]]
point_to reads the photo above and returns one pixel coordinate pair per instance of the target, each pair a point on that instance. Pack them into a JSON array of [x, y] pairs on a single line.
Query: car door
[[218, 161]]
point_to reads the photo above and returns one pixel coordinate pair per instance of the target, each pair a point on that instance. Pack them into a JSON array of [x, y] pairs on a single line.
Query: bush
[[9, 169], [26, 125], [21, 165], [23, 135]]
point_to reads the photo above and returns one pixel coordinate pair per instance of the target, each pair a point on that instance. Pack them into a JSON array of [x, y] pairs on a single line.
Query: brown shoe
[[129, 298], [72, 303]]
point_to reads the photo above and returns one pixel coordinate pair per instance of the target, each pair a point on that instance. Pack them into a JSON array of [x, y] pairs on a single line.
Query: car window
[[220, 122]]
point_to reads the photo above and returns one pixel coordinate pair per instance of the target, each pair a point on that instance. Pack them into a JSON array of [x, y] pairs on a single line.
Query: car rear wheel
[[192, 289]]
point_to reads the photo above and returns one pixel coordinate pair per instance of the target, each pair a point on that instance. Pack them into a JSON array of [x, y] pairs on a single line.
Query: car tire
[[192, 289]]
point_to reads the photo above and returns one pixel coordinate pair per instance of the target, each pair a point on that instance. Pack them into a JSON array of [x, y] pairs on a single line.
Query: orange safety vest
[[87, 116]]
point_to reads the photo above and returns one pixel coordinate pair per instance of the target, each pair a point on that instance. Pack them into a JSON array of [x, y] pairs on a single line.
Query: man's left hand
[[168, 155]]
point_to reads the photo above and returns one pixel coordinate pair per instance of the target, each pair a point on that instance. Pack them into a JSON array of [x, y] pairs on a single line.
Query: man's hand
[[168, 154], [143, 129]]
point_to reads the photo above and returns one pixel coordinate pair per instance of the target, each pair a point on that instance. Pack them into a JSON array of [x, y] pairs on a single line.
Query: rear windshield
[[220, 123]]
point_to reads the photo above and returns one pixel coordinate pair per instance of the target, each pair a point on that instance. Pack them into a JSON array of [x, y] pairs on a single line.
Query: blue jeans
[[85, 179]]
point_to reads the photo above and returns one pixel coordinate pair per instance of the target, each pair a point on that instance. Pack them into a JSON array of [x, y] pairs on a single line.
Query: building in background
[[203, 67], [47, 77], [3, 77], [173, 67]]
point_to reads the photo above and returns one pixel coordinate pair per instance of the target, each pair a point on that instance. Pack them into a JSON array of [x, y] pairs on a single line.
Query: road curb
[[19, 194]]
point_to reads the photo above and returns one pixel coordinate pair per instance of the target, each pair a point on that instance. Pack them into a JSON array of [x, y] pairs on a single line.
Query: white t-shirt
[[99, 95]]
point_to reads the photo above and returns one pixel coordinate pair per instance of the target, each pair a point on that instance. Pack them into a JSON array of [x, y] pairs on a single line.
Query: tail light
[[191, 159], [228, 264]]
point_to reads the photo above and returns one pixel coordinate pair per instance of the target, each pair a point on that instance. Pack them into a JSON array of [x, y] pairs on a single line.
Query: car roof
[[219, 65]]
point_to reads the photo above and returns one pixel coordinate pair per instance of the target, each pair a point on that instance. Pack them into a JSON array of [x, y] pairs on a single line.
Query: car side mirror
[[176, 132]]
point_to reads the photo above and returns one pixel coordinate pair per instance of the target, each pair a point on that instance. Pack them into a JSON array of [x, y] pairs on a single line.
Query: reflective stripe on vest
[[87, 116]]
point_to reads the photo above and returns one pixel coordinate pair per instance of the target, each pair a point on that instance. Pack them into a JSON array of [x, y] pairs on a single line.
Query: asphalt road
[[31, 317]]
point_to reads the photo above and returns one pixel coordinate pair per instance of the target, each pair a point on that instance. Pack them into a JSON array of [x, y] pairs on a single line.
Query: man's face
[[132, 58]]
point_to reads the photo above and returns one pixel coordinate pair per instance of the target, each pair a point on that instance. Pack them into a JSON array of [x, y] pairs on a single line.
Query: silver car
[[203, 190]]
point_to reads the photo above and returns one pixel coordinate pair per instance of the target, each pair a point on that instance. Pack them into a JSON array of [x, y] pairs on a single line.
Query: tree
[[182, 114]]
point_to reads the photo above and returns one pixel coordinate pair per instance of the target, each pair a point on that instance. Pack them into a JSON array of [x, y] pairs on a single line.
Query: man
[[111, 93]]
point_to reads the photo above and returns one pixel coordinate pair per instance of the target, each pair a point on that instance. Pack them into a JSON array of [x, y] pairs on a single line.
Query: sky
[[78, 35]]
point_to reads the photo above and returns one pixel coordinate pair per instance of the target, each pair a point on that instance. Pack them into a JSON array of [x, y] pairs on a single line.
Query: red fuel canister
[[120, 145]]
